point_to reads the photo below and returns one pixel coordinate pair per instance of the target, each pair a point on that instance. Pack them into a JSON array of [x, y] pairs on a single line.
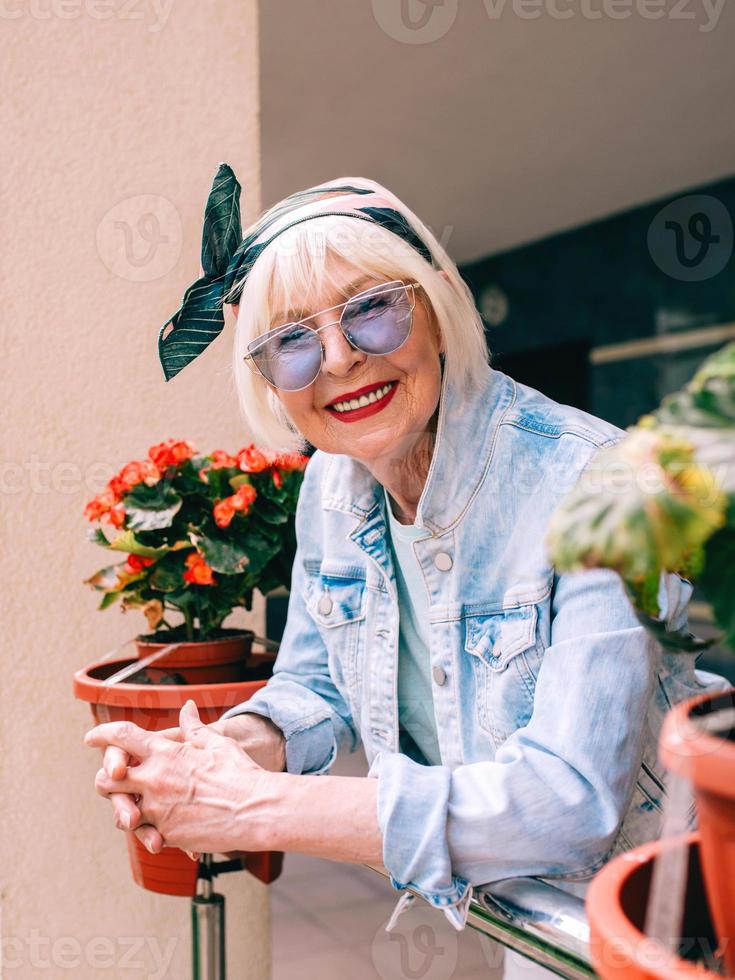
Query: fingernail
[[125, 821], [149, 846]]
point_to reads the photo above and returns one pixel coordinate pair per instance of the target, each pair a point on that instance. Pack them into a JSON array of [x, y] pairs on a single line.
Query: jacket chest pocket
[[336, 603], [505, 661]]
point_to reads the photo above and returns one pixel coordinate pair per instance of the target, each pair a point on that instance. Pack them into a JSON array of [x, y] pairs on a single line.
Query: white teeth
[[363, 400]]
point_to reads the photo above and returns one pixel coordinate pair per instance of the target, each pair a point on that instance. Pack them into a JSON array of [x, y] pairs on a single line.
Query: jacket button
[[439, 675], [443, 561], [325, 604]]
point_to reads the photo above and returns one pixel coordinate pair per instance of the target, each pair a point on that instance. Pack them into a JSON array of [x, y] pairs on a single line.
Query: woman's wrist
[[257, 735], [333, 817]]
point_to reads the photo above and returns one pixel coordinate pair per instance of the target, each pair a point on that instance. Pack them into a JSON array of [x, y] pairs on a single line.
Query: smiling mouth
[[364, 400]]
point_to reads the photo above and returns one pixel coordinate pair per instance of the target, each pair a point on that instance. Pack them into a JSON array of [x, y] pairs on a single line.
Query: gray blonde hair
[[294, 270]]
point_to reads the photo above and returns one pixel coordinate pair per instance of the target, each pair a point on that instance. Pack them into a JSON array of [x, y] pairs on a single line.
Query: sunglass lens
[[292, 359], [378, 321]]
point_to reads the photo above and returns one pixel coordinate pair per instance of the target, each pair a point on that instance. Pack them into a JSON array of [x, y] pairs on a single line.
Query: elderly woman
[[509, 713]]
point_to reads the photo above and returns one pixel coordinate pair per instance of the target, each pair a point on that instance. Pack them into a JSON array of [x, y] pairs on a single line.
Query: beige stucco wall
[[112, 111]]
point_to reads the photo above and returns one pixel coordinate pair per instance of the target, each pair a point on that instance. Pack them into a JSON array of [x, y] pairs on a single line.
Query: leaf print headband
[[227, 257]]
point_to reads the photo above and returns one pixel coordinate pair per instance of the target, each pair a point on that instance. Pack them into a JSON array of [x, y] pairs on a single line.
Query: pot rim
[[706, 759], [236, 634], [603, 906], [151, 696]]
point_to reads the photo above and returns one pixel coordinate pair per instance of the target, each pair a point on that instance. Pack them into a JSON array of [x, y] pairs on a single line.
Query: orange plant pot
[[157, 706], [215, 661], [616, 908], [707, 760]]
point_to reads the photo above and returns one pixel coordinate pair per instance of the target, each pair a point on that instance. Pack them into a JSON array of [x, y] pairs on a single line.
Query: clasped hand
[[190, 787]]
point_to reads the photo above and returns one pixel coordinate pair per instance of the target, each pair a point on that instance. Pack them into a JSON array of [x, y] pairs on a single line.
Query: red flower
[[198, 571], [136, 472], [171, 453], [252, 460], [223, 512], [277, 479], [100, 505], [114, 516], [291, 461], [221, 459], [136, 563], [242, 500], [218, 460]]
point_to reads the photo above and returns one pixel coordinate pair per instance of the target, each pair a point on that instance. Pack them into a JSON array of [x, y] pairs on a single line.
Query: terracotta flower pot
[[616, 908], [155, 706], [707, 760], [215, 661]]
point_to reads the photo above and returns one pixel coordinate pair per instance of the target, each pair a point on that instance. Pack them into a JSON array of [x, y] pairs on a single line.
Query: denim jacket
[[548, 693]]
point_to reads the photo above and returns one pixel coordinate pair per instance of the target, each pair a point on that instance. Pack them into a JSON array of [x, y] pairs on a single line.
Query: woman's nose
[[339, 355]]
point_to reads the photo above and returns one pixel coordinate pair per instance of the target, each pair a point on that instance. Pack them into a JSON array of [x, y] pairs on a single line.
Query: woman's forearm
[[326, 816]]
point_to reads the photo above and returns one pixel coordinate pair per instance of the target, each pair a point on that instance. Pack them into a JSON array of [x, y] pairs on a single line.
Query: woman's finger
[[105, 786], [134, 740], [125, 811], [116, 762], [150, 838]]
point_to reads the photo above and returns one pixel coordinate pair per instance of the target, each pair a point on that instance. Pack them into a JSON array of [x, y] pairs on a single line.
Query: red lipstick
[[355, 414]]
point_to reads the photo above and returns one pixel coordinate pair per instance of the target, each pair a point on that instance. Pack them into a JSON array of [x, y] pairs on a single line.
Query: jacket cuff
[[412, 814], [311, 744]]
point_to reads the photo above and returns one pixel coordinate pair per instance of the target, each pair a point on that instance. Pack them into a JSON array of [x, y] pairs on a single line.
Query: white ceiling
[[504, 129]]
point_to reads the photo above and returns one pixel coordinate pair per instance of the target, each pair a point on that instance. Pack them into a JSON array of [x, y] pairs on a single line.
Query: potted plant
[[663, 500], [198, 534]]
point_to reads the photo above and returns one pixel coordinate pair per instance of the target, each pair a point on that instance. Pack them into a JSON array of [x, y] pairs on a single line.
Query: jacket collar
[[469, 416]]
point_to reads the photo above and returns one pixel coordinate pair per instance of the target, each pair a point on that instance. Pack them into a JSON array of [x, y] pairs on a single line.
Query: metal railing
[[543, 923]]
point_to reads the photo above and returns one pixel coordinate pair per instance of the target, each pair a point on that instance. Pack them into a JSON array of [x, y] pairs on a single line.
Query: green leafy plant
[[200, 533], [663, 500]]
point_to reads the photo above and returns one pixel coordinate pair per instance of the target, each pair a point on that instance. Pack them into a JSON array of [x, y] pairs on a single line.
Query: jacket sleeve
[[552, 799], [301, 698]]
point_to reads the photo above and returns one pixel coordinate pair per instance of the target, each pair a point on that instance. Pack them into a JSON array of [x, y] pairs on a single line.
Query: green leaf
[[109, 599], [708, 401], [151, 508], [97, 536], [270, 512], [105, 580], [165, 578], [223, 553], [239, 480], [718, 578], [126, 541]]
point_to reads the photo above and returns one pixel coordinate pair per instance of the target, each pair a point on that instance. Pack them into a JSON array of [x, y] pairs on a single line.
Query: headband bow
[[227, 257]]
